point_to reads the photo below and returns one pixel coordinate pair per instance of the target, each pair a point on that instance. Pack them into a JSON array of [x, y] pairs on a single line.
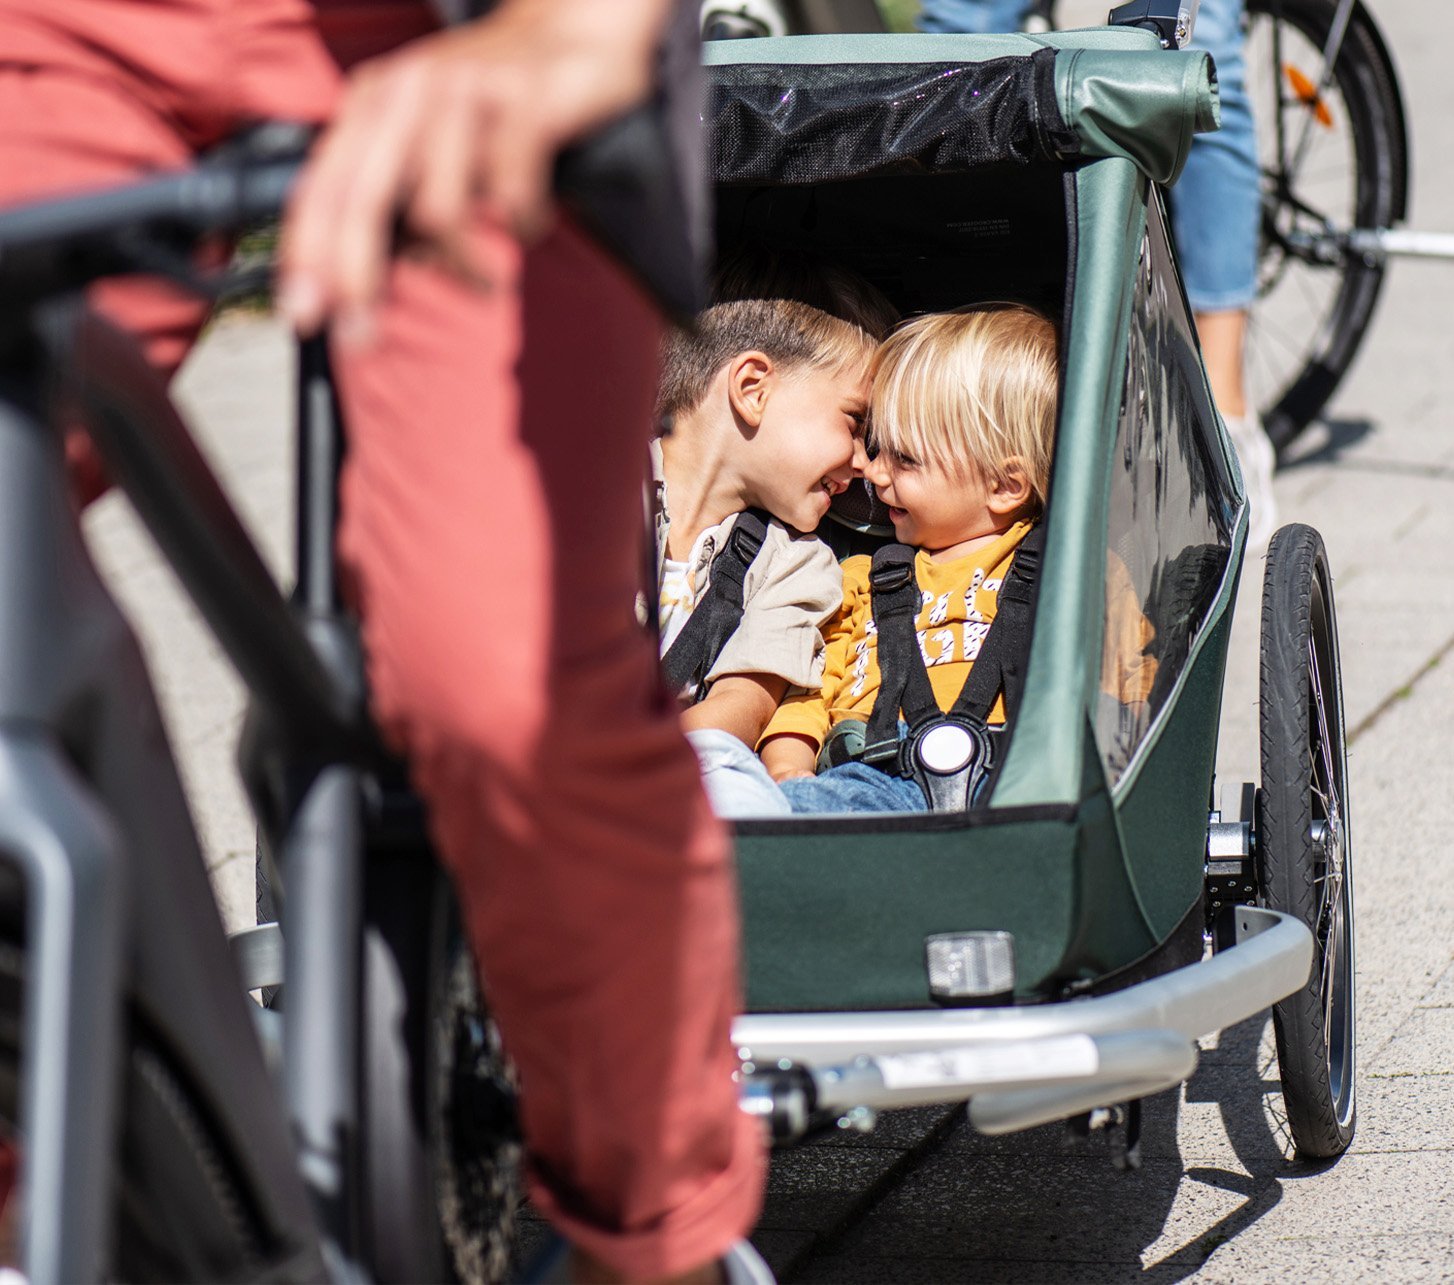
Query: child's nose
[[860, 458], [875, 470]]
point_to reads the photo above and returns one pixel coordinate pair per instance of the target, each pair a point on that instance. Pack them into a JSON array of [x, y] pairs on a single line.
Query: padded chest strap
[[716, 617], [1000, 666], [1005, 651], [903, 679]]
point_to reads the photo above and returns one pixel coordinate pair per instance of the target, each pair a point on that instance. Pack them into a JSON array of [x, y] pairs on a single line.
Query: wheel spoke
[[1332, 953], [1324, 737]]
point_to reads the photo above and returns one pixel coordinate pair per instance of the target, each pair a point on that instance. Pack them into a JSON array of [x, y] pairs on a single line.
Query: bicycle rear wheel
[[440, 1151], [1334, 158]]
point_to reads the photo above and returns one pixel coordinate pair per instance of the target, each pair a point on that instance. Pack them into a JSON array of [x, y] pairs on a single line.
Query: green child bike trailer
[[1044, 950]]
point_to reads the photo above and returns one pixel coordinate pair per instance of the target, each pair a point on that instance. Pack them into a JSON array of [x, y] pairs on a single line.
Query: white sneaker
[[1258, 459]]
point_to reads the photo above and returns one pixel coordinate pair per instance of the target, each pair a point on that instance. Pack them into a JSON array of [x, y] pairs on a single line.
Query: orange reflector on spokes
[[1307, 94]]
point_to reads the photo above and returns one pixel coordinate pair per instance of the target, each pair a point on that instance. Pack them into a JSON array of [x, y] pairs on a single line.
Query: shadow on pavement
[[1033, 1206], [1336, 439]]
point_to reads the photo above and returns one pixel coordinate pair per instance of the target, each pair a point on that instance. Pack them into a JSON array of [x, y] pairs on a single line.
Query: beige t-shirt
[[791, 591]]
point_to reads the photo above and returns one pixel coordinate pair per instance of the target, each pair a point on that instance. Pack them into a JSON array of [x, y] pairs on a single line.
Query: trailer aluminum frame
[[1028, 1065]]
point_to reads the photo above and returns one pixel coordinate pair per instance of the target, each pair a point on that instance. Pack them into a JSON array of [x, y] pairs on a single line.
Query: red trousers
[[490, 536]]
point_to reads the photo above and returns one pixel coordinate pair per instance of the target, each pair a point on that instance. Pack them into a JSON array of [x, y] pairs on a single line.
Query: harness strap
[[1005, 651], [903, 679], [716, 617]]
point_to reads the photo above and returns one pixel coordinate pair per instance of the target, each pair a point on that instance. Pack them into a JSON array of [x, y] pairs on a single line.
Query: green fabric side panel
[[880, 47], [1143, 106], [1164, 814], [1043, 764], [1113, 928], [837, 922]]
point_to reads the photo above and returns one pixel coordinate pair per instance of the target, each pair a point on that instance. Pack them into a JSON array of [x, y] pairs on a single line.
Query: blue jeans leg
[[854, 787], [972, 15], [736, 782], [1216, 205]]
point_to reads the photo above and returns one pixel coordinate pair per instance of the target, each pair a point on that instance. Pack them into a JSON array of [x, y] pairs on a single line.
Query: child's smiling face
[[808, 444], [946, 512]]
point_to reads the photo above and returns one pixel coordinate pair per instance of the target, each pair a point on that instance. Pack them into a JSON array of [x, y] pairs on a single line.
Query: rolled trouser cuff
[[698, 1230]]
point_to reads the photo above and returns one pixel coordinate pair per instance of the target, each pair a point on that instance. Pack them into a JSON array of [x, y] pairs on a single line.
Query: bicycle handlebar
[[220, 194], [619, 183]]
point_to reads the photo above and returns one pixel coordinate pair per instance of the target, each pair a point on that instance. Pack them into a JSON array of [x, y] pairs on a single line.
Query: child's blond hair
[[969, 390]]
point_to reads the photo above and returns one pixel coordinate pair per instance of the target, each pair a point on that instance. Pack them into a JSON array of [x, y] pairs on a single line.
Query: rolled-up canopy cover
[[811, 109]]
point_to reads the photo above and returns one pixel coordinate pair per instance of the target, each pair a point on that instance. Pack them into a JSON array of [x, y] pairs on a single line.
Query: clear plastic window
[[1171, 510]]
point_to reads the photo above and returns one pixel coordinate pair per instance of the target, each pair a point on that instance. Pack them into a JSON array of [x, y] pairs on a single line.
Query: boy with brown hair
[[766, 399]]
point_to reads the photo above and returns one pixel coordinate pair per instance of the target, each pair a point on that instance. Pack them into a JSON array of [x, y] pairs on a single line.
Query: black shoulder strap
[[1005, 651], [716, 617], [903, 680]]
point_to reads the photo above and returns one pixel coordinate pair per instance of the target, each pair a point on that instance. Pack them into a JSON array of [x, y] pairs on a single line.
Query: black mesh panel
[[817, 123]]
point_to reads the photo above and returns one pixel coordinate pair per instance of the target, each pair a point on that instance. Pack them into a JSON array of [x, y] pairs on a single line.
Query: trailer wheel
[[1303, 851]]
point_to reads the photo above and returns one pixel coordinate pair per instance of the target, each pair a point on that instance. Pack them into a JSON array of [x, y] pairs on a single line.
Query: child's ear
[[1010, 491], [750, 377]]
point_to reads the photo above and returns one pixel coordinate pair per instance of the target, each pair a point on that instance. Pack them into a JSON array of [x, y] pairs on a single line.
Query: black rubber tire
[[1368, 84], [180, 1212], [440, 1147], [1304, 789]]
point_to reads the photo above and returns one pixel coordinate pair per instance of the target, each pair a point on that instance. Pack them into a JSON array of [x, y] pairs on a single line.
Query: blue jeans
[[737, 784], [854, 787], [1215, 206], [740, 788]]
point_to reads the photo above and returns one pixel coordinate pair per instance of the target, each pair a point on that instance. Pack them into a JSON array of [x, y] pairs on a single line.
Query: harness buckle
[[881, 754], [949, 758], [890, 577], [744, 544]]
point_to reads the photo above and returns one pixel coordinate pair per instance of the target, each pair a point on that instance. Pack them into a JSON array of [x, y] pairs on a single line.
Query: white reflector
[[978, 965]]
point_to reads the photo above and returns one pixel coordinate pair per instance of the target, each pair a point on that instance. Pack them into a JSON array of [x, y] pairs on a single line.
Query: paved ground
[[923, 1199]]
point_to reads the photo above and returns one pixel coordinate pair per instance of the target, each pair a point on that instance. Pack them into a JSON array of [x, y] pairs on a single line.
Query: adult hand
[[469, 119]]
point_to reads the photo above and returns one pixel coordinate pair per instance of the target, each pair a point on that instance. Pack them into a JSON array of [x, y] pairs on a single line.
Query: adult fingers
[[517, 162], [446, 169], [339, 225], [372, 159]]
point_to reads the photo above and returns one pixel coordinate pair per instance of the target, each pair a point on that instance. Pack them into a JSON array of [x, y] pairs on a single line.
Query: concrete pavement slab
[[812, 1189], [1079, 1210], [1329, 1258], [903, 1270], [1406, 1113], [1375, 1194], [1422, 1045], [1441, 994]]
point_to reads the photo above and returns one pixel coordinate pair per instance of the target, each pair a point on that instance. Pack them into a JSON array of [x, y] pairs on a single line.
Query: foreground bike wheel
[[1334, 157], [180, 1212], [1303, 852], [440, 1142]]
